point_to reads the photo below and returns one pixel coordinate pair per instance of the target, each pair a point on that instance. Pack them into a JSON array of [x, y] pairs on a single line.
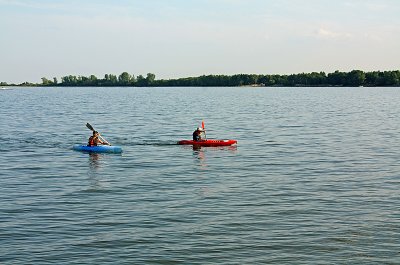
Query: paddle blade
[[90, 127], [202, 125]]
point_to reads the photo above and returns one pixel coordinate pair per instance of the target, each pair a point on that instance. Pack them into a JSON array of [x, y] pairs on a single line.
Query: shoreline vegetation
[[355, 78]]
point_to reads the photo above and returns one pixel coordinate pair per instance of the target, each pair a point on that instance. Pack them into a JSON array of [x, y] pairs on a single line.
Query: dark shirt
[[92, 141], [196, 135]]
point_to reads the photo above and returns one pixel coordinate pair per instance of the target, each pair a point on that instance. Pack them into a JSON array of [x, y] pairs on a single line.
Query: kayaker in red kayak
[[198, 134], [198, 139], [95, 140]]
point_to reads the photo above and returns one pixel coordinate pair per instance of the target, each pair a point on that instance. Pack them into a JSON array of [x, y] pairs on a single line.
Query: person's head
[[200, 129], [95, 133]]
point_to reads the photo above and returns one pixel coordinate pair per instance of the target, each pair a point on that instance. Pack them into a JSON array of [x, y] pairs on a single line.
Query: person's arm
[[98, 141], [103, 142]]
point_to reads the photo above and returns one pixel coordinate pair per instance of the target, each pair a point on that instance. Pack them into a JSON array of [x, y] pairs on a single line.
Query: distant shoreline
[[355, 78]]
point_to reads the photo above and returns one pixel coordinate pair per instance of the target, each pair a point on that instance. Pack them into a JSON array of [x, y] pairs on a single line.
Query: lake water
[[314, 179]]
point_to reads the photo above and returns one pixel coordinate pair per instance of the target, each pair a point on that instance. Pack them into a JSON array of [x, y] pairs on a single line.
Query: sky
[[182, 38]]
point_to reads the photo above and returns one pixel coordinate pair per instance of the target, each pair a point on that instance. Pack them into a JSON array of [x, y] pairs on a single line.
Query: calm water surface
[[314, 179]]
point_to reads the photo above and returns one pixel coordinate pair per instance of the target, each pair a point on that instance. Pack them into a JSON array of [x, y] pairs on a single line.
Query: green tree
[[141, 81], [46, 82], [372, 78], [124, 79], [355, 78], [391, 78], [150, 79], [336, 79], [93, 81]]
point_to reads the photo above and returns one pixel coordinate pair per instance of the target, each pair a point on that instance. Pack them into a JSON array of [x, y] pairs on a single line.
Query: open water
[[314, 179]]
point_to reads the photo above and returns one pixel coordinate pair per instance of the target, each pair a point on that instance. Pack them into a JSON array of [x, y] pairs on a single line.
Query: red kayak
[[207, 143]]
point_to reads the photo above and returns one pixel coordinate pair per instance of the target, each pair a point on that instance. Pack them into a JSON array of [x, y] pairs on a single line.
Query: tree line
[[354, 78]]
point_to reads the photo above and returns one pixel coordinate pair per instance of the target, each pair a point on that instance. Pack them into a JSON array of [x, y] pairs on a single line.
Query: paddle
[[90, 127], [204, 129]]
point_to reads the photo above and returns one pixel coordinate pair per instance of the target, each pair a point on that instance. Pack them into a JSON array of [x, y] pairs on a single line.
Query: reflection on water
[[200, 156], [95, 164], [200, 153], [97, 167], [95, 160], [231, 149]]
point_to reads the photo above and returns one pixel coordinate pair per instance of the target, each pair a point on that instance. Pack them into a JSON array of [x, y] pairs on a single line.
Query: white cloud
[[329, 34]]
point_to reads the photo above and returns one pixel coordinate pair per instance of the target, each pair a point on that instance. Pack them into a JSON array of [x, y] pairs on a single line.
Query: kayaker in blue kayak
[[95, 140], [198, 134]]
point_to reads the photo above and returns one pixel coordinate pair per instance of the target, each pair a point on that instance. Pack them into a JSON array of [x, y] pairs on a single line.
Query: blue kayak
[[98, 149]]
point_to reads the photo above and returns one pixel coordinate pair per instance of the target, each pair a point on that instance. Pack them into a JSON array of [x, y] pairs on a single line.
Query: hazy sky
[[181, 38]]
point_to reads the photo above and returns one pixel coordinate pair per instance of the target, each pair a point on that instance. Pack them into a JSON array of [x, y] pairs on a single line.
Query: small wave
[[290, 126]]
